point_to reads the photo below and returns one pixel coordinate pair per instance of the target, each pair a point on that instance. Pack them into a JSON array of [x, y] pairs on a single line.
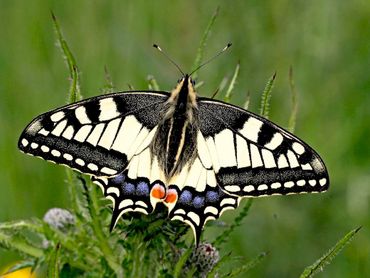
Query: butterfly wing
[[252, 156], [97, 136]]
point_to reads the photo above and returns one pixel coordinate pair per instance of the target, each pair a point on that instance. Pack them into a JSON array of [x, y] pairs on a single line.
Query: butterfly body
[[175, 141], [197, 156]]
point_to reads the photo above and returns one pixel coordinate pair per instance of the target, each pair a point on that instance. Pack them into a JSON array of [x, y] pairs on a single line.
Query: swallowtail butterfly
[[196, 155]]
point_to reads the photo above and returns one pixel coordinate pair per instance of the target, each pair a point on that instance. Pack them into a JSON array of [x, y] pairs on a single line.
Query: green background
[[327, 44]]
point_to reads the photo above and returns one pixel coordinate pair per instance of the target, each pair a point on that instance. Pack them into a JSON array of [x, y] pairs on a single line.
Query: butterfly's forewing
[[97, 136], [251, 156]]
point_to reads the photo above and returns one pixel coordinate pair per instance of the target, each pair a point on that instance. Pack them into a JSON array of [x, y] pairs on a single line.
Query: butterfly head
[[184, 94]]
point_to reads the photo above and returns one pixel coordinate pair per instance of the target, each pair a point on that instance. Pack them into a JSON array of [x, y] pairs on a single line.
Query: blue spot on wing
[[128, 188], [185, 197], [198, 202], [212, 196], [142, 189]]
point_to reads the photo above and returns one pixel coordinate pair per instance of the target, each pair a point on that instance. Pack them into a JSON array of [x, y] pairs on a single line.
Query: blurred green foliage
[[326, 43]]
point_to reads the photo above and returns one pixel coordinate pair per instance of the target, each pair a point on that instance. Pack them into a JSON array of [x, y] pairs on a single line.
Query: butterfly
[[197, 156]]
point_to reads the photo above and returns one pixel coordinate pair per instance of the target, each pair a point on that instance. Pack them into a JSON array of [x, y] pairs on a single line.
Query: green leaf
[[77, 199], [34, 225], [203, 42], [218, 265], [266, 96], [19, 266], [326, 259], [74, 90], [293, 91], [15, 242], [181, 262], [101, 237], [53, 265], [237, 222], [232, 84], [248, 266]]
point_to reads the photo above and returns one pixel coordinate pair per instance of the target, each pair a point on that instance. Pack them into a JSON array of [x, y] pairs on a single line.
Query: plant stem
[[101, 237]]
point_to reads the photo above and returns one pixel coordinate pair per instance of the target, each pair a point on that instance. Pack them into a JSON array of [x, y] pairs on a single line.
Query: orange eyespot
[[171, 196], [158, 191]]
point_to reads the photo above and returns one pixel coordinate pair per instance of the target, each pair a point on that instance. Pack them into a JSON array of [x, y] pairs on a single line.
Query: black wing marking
[[254, 157], [96, 136]]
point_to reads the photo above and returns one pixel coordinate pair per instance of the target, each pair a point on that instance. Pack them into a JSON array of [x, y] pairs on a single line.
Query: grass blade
[[247, 101], [181, 262], [266, 96], [251, 264], [237, 222], [293, 91], [218, 265], [74, 90], [108, 86], [232, 84], [152, 83], [203, 42], [319, 265]]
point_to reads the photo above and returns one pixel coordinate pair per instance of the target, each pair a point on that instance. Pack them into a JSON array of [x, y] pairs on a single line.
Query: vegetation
[[280, 236]]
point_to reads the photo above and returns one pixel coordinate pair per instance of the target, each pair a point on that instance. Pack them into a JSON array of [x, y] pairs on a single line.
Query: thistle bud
[[204, 257], [59, 218]]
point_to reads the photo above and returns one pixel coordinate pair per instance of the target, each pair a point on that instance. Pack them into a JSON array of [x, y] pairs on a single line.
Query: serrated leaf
[[326, 259], [34, 225], [19, 244]]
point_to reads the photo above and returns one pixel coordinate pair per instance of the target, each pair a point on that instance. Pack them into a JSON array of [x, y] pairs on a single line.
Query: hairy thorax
[[174, 144]]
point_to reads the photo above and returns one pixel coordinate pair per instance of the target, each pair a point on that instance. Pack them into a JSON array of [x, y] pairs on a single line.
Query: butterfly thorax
[[175, 141]]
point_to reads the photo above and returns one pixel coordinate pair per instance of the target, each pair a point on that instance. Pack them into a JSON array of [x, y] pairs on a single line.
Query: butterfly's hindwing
[[197, 207], [199, 197], [126, 194], [254, 157], [97, 136]]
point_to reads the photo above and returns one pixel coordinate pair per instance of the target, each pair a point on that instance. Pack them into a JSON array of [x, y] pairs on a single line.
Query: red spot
[[171, 196], [158, 191]]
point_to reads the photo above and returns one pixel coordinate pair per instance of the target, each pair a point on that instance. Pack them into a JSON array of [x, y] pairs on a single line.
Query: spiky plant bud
[[204, 257], [60, 219]]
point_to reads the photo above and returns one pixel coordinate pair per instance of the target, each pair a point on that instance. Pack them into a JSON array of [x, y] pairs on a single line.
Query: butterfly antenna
[[169, 58], [211, 59]]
